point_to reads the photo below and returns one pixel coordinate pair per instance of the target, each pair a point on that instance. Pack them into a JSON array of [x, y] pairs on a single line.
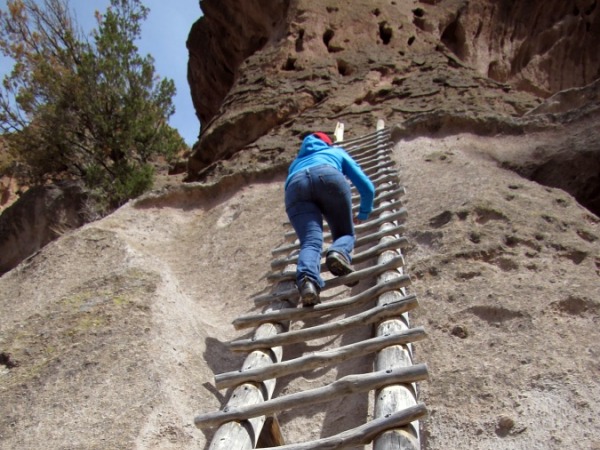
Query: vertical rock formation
[[452, 65]]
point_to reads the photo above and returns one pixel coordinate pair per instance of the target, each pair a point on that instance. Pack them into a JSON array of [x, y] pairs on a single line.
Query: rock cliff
[[110, 335]]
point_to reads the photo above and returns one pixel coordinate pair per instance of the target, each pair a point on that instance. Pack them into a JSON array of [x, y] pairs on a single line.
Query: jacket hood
[[311, 144]]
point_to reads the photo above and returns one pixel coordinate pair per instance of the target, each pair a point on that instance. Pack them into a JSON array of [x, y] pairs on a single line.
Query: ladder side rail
[[244, 436], [397, 397]]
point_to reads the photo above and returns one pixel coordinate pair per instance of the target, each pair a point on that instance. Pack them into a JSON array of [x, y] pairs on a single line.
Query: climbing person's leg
[[307, 220], [335, 200]]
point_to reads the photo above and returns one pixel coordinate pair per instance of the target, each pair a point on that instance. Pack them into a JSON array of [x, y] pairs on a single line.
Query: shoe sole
[[310, 300], [337, 266]]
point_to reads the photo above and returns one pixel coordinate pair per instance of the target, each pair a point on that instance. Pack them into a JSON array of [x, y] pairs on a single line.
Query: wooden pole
[[322, 308], [373, 315], [393, 398], [338, 281], [318, 359], [350, 384], [360, 436], [244, 436]]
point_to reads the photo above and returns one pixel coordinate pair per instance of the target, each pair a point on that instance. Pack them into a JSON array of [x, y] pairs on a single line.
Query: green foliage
[[90, 108], [129, 181]]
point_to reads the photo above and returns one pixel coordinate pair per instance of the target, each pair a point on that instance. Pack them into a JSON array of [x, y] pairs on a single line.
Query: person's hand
[[357, 221]]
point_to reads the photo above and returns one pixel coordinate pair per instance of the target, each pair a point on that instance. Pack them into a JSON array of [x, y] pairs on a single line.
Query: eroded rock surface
[[40, 216], [261, 85]]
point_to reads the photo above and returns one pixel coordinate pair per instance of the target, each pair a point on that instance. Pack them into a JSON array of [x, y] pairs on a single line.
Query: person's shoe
[[309, 292], [339, 266]]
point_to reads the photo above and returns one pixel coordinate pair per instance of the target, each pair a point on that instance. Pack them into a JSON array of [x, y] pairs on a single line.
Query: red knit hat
[[323, 137]]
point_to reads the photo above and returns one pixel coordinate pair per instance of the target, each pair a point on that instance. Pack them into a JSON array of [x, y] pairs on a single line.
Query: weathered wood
[[318, 359], [349, 384], [339, 132], [380, 154], [367, 149], [358, 147], [390, 195], [334, 282], [271, 435], [376, 169], [233, 435], [358, 257], [368, 317], [379, 159], [399, 215], [394, 398], [319, 310], [244, 436], [390, 244], [397, 438], [236, 435], [380, 191], [346, 279], [360, 436], [386, 206], [371, 237]]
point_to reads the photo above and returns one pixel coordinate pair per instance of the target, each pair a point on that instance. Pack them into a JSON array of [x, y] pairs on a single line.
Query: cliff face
[[451, 65], [111, 335]]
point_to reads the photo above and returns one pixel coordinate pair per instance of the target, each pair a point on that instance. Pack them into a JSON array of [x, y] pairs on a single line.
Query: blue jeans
[[311, 194]]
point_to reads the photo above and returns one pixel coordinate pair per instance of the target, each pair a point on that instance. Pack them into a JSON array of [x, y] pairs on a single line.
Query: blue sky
[[164, 33]]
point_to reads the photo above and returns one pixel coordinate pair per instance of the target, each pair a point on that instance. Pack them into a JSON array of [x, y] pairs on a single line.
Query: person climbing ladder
[[316, 187]]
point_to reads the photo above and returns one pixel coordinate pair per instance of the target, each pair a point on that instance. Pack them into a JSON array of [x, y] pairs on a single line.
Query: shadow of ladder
[[249, 418]]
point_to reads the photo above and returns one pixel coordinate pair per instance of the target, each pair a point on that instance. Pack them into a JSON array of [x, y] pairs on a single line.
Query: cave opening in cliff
[[328, 36], [453, 37], [576, 173], [571, 177], [385, 32], [419, 12], [300, 41], [7, 361], [290, 64], [344, 69]]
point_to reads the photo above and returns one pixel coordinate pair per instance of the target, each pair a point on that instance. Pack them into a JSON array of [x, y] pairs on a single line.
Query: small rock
[[504, 426], [460, 331]]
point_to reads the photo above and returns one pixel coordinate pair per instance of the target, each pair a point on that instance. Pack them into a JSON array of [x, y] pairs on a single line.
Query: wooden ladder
[[249, 419]]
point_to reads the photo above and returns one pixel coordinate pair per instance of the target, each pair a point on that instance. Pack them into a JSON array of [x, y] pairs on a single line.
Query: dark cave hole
[[328, 36], [453, 37], [7, 361], [385, 32], [290, 64], [577, 176], [300, 41], [418, 12], [344, 69], [583, 184], [411, 40], [591, 9]]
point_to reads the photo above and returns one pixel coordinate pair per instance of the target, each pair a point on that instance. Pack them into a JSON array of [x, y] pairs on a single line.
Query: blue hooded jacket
[[315, 152]]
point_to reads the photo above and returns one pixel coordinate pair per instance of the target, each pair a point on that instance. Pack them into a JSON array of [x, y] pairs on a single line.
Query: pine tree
[[85, 107]]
